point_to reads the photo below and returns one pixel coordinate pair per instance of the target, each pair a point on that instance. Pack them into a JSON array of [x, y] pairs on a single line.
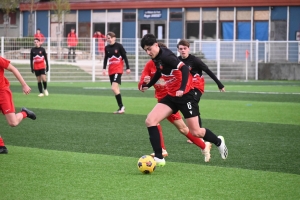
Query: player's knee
[[150, 122], [13, 123]]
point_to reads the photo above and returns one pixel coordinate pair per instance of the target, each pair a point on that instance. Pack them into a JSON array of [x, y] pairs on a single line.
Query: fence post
[[247, 55], [136, 59], [178, 54], [256, 60], [2, 46], [218, 57], [266, 51], [49, 59], [93, 59]]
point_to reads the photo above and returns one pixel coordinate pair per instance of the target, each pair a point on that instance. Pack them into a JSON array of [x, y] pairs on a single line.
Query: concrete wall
[[278, 71]]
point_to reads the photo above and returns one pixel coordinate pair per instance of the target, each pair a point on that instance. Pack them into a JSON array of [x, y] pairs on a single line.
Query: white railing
[[227, 59]]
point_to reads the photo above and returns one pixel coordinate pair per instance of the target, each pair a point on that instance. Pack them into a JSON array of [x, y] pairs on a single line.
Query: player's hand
[[26, 89], [104, 72], [147, 79], [47, 69], [127, 71], [143, 88], [179, 93], [32, 71], [222, 90]]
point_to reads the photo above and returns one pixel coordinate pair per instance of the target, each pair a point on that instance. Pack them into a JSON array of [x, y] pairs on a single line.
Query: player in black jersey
[[180, 97], [196, 66], [38, 57], [115, 55]]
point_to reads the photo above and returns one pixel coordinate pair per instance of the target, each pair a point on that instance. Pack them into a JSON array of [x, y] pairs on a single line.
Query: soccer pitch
[[78, 149]]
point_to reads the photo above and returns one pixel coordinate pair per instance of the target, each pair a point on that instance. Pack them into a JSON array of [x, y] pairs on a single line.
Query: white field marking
[[246, 92]]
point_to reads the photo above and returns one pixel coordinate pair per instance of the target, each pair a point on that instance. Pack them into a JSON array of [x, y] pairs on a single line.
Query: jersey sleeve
[[4, 63]]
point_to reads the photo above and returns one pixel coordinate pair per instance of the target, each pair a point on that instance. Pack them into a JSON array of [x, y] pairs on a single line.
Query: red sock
[[24, 114], [197, 141], [162, 142], [1, 142]]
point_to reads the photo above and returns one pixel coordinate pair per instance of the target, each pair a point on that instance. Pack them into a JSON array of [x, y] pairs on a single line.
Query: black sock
[[119, 100], [211, 137], [40, 87], [155, 141], [45, 85]]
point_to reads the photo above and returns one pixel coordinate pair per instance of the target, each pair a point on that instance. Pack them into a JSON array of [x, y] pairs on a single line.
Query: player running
[[6, 100], [196, 67], [180, 97], [176, 119]]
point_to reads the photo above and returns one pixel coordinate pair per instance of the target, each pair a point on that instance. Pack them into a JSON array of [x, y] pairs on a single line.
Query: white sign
[[150, 14]]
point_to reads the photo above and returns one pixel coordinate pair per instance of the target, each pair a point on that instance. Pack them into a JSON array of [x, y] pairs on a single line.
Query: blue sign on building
[[152, 14]]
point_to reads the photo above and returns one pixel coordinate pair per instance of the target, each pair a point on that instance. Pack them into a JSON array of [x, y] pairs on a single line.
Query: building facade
[[204, 20]]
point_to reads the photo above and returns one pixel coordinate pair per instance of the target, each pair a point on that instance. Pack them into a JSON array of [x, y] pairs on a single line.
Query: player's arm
[[145, 73], [155, 78], [15, 71], [46, 60], [124, 56], [105, 61], [204, 67], [31, 60]]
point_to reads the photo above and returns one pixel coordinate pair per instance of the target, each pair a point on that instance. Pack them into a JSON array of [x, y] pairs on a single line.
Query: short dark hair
[[148, 40], [111, 34], [38, 29], [183, 43], [37, 39]]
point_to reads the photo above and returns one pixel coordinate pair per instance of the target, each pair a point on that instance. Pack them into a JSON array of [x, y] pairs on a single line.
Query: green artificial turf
[[78, 149]]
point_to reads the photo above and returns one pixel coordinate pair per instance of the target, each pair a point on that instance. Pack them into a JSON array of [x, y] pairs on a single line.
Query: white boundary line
[[106, 88]]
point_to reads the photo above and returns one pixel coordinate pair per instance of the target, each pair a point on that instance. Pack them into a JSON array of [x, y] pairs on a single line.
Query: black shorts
[[198, 95], [186, 104], [115, 78], [40, 72]]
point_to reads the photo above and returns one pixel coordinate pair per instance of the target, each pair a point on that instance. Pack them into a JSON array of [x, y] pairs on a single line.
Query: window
[[192, 29], [128, 17], [11, 18], [176, 16], [114, 27], [209, 30]]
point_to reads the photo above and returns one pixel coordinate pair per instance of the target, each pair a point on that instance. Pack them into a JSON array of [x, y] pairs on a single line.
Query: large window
[[9, 19], [114, 27], [192, 29], [129, 17], [209, 30]]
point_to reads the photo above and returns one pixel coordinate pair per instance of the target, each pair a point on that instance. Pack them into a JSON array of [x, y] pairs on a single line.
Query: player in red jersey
[[196, 67], [6, 100], [38, 57], [180, 97], [40, 36], [176, 119], [101, 39], [115, 55]]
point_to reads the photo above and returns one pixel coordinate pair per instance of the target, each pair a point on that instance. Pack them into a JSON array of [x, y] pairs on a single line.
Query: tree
[[32, 6], [8, 6], [60, 8]]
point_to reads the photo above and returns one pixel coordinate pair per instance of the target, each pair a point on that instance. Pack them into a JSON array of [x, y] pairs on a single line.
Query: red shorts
[[174, 117], [6, 102]]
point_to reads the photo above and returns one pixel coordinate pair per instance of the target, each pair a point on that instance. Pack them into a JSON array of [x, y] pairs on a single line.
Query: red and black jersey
[[169, 66], [115, 55], [196, 67], [38, 57]]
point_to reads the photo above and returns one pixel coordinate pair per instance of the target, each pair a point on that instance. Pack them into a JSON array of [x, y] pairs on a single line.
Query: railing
[[227, 59]]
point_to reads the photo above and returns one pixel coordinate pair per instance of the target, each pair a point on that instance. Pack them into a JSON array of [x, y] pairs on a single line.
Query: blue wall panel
[[279, 13], [128, 30], [25, 23], [176, 29], [84, 16], [42, 22], [294, 25]]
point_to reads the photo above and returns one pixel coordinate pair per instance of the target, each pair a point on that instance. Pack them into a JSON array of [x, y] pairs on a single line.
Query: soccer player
[[6, 99], [40, 36], [72, 43], [101, 38], [196, 67], [38, 57], [115, 54], [180, 96], [176, 119]]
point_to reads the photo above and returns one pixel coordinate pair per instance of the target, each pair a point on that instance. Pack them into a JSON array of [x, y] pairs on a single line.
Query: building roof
[[134, 4]]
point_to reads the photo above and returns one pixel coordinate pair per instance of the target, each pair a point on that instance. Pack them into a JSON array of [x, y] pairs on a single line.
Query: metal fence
[[229, 60]]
